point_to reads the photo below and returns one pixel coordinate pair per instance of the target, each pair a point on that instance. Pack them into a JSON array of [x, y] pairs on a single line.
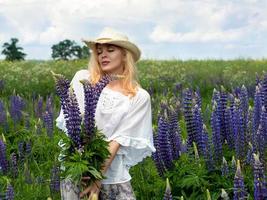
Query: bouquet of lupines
[[83, 149]]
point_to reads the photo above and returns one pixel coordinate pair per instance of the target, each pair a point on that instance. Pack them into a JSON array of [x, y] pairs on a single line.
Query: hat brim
[[121, 43]]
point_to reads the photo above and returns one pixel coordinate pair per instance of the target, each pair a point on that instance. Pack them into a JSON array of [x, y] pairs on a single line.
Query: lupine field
[[209, 120]]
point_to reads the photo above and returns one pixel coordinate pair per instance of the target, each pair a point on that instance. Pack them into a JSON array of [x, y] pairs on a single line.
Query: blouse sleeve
[[134, 132], [78, 90]]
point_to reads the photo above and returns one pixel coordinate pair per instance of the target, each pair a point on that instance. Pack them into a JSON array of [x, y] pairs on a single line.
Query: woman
[[123, 114]]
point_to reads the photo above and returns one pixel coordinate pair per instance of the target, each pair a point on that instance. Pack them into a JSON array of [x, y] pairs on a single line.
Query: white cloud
[[163, 34], [45, 22]]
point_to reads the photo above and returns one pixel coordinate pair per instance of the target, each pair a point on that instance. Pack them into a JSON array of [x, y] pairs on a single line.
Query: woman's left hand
[[94, 188]]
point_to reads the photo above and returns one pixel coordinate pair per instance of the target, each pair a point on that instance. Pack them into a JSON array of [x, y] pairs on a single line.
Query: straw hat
[[111, 36]]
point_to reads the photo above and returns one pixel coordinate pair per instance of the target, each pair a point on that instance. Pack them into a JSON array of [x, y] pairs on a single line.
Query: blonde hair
[[130, 80]]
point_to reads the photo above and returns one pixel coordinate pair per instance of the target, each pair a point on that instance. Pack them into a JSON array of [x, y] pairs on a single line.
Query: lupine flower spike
[[260, 187], [239, 186], [167, 195]]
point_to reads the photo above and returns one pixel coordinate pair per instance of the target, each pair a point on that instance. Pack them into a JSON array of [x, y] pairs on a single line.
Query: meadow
[[29, 148]]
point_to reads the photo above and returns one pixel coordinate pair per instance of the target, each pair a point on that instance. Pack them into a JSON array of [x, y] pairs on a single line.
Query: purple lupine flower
[[208, 152], [101, 84], [3, 116], [55, 179], [259, 141], [239, 187], [174, 134], [249, 131], [3, 159], [244, 110], [260, 187], [39, 107], [263, 123], [228, 118], [10, 192], [200, 137], [62, 90], [48, 123], [157, 157], [163, 141], [221, 108], [264, 90], [224, 168], [198, 98], [256, 111], [215, 97], [184, 146], [168, 194], [244, 100], [239, 133], [21, 151], [73, 122], [216, 136], [49, 105], [28, 148], [237, 91], [89, 114], [17, 104], [188, 114], [249, 157], [48, 117], [14, 165], [91, 96]]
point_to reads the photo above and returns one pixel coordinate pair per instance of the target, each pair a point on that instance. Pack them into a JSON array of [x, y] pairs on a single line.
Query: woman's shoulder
[[141, 95]]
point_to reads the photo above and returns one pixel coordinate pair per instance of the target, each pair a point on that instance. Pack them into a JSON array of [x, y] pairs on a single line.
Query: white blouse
[[123, 119]]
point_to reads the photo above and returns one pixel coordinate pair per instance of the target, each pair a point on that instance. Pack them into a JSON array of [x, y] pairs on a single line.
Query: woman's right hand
[[92, 190]]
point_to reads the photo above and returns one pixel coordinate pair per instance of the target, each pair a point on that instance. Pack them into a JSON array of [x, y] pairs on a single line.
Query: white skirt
[[68, 190]]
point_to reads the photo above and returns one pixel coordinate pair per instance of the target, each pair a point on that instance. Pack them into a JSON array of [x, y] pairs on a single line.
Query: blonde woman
[[123, 114]]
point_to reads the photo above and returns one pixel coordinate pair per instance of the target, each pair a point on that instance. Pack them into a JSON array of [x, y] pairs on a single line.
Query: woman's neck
[[115, 84]]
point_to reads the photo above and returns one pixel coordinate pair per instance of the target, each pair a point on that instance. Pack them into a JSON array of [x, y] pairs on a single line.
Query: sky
[[162, 29]]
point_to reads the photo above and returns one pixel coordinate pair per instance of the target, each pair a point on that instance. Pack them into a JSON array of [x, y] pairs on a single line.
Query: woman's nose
[[104, 54]]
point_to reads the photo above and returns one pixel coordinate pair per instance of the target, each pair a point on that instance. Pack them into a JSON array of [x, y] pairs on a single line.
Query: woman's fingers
[[86, 178], [87, 190]]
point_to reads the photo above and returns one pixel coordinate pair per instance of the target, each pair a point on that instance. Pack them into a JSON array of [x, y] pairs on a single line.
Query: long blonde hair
[[129, 83]]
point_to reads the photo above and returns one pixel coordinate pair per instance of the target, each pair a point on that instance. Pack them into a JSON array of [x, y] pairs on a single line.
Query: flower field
[[209, 119]]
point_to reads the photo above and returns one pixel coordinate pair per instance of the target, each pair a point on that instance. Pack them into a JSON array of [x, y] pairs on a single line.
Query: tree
[[12, 51], [68, 49]]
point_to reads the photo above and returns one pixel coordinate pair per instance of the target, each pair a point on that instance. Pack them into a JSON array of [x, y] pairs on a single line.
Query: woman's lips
[[105, 63]]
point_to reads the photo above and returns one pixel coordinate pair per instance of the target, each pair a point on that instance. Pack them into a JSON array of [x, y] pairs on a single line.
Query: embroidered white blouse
[[123, 119]]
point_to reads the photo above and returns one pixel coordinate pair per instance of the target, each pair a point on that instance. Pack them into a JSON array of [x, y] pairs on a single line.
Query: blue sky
[[173, 29]]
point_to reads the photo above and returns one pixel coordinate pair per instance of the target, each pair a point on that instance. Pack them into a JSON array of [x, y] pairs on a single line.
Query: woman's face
[[110, 58]]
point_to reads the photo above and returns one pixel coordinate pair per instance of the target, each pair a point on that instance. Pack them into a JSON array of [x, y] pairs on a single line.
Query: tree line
[[64, 50]]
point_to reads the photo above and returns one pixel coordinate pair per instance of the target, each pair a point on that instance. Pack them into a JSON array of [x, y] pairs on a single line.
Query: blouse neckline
[[116, 92]]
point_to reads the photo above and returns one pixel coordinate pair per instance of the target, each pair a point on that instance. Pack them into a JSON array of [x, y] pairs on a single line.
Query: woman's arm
[[95, 187], [113, 149]]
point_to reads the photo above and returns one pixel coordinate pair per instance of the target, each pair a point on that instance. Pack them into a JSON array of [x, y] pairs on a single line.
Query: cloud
[[163, 34], [149, 22]]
